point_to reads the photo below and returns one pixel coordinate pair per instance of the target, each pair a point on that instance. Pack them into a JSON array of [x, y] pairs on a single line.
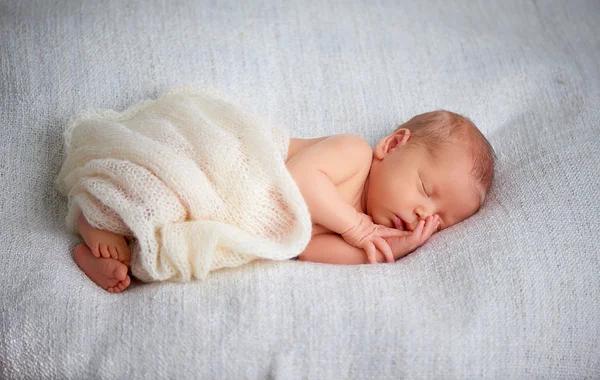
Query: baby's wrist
[[354, 224]]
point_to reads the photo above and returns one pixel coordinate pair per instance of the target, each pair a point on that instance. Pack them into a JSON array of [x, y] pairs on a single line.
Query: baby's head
[[435, 163]]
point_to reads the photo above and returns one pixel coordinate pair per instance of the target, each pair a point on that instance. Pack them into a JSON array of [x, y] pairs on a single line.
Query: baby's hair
[[432, 130]]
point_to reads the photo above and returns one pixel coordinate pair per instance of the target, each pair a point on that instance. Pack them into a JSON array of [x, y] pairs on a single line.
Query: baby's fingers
[[425, 229], [430, 226], [385, 232], [371, 253], [385, 249], [415, 239], [418, 231]]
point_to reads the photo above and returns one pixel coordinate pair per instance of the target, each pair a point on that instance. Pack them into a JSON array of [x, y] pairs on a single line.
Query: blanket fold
[[198, 182]]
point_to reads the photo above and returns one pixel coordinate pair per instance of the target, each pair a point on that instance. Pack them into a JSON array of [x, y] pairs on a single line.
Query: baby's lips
[[398, 223]]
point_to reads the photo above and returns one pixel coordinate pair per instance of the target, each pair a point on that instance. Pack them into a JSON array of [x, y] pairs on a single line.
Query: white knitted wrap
[[198, 182]]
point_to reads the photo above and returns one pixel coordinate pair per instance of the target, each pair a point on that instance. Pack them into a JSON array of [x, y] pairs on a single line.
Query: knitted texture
[[198, 182]]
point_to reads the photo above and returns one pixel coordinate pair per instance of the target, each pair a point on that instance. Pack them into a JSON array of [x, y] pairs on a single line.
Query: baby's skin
[[367, 205], [104, 257], [376, 205]]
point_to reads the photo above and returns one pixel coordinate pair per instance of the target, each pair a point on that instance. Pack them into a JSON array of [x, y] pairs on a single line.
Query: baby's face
[[411, 183]]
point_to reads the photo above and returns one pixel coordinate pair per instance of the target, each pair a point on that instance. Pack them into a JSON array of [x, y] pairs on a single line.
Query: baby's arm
[[320, 167], [332, 249]]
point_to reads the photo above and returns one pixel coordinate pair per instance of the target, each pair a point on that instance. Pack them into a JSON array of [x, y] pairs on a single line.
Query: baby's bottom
[[104, 258]]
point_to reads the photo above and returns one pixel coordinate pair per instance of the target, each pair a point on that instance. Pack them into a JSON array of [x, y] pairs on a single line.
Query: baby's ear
[[387, 144], [403, 135]]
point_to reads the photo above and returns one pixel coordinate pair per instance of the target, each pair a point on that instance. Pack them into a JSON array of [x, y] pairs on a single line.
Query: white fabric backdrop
[[513, 292]]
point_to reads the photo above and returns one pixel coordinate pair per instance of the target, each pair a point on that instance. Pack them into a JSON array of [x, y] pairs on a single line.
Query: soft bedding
[[196, 181]]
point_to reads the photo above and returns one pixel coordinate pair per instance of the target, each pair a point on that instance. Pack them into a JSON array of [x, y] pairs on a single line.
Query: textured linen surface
[[511, 293], [198, 181]]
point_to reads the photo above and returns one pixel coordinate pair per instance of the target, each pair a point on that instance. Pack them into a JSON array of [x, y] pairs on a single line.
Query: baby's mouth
[[399, 223]]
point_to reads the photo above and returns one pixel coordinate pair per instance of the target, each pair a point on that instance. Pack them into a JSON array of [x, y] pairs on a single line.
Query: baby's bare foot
[[109, 274], [104, 243]]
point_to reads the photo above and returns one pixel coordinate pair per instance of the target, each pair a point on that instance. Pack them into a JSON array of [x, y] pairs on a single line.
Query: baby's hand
[[370, 237], [403, 245]]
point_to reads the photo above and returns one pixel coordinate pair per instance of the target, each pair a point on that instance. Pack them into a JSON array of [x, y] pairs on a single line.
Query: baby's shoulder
[[338, 156], [347, 153], [341, 145], [350, 144]]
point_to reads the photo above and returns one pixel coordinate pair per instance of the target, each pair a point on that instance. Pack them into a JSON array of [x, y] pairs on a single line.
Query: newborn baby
[[431, 173], [366, 205]]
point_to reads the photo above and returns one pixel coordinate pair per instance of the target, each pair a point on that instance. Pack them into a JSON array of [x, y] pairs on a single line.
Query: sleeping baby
[[431, 173], [365, 205]]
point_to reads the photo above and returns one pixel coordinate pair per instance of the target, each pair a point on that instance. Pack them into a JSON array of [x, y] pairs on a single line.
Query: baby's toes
[[115, 289], [95, 248], [124, 255], [113, 252], [124, 284], [104, 251]]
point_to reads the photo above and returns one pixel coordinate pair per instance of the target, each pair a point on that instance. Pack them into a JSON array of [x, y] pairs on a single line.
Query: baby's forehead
[[449, 153], [459, 200], [453, 169]]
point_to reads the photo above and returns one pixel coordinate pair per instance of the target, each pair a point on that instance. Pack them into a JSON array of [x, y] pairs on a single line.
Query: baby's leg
[[104, 243], [109, 274]]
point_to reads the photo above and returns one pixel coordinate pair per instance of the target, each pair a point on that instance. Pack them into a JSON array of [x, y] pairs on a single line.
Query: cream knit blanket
[[198, 183]]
